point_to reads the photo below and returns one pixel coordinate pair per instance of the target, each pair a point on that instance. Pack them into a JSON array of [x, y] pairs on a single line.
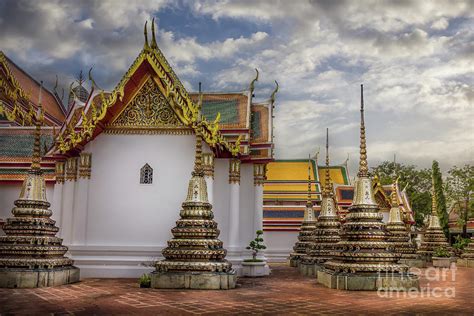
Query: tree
[[459, 192], [417, 183], [440, 198], [256, 245]]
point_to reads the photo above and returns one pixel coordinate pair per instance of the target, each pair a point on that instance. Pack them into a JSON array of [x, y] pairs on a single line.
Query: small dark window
[[146, 174]]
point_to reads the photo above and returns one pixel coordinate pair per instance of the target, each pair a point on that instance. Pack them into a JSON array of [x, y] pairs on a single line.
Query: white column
[[258, 181], [68, 200], [234, 202], [81, 198], [208, 166], [56, 203]]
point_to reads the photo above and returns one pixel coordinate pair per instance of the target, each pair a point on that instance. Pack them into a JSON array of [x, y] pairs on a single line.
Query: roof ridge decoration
[[252, 84], [272, 96], [15, 93], [174, 92]]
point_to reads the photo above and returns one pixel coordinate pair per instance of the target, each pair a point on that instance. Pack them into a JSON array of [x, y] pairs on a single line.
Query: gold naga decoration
[[14, 92], [174, 93]]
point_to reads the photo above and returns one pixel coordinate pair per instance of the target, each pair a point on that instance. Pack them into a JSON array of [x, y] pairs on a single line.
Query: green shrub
[[256, 245], [145, 280], [441, 252]]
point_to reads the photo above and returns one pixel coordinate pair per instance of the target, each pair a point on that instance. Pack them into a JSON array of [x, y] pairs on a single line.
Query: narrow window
[[146, 174]]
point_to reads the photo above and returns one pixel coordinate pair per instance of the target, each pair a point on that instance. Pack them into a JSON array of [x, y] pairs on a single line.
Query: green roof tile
[[227, 108]]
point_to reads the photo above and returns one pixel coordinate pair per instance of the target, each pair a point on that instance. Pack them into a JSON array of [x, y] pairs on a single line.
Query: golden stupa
[[195, 257], [467, 257], [326, 233], [398, 234], [30, 254], [307, 227], [364, 259], [434, 236]]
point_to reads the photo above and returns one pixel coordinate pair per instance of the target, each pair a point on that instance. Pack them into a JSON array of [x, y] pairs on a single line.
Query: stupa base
[[467, 263], [309, 270], [368, 282], [413, 263], [33, 278], [194, 280]]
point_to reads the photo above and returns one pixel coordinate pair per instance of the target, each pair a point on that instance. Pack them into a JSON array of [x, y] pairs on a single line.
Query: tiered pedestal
[[193, 280], [368, 282], [25, 278]]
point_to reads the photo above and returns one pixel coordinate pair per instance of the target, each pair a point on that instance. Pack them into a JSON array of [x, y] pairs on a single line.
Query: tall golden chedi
[[326, 234], [195, 257], [434, 237], [30, 253], [307, 227], [398, 234], [364, 259]]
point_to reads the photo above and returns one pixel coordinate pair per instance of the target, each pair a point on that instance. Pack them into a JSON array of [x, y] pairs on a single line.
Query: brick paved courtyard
[[284, 292]]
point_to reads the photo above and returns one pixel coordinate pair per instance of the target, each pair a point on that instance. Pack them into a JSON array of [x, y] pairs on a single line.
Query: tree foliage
[[459, 192], [256, 245], [440, 198], [416, 181]]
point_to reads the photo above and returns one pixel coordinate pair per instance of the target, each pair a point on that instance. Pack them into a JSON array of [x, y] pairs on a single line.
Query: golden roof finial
[[252, 84], [327, 186], [272, 97], [145, 32], [36, 159], [153, 36], [363, 166]]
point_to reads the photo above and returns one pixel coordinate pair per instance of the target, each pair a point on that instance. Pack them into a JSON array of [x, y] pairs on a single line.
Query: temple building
[[117, 163]]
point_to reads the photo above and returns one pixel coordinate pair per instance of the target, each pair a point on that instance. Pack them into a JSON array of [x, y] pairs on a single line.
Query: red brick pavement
[[284, 292]]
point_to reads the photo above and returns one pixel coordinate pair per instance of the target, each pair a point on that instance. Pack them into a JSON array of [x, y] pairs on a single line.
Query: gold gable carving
[[148, 110]]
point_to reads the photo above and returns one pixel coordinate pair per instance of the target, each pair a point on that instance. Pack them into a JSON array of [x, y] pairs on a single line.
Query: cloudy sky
[[415, 59]]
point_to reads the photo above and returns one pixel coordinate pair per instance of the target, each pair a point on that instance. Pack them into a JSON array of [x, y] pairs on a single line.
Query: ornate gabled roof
[[21, 92], [149, 63]]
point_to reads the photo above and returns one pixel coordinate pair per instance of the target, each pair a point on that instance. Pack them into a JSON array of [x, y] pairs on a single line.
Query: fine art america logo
[[437, 283]]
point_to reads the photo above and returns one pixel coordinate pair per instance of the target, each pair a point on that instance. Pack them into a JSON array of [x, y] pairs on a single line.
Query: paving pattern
[[285, 292]]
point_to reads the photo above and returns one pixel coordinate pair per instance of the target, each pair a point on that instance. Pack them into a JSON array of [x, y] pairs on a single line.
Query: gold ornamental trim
[[208, 164], [59, 170], [85, 165], [234, 171], [71, 169], [259, 174], [173, 92]]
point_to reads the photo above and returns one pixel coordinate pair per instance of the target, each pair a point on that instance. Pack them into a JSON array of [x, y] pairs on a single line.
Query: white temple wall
[[221, 198], [279, 244], [247, 205]]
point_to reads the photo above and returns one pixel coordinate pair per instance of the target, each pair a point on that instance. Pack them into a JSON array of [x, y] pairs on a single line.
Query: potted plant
[[441, 258], [255, 267], [145, 281]]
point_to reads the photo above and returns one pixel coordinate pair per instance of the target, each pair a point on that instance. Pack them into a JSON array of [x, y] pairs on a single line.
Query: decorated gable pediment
[[148, 111]]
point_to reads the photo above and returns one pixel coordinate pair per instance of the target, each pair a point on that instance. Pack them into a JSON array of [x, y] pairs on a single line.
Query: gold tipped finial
[[145, 32], [327, 186], [36, 160], [363, 166], [153, 36], [309, 202]]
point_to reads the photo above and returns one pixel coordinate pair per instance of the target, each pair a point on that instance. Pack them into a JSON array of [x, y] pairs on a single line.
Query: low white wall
[[279, 245]]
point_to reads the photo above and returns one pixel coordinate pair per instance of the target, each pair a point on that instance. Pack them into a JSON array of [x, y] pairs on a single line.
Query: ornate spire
[[327, 186], [434, 204], [363, 166], [36, 160], [308, 201]]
